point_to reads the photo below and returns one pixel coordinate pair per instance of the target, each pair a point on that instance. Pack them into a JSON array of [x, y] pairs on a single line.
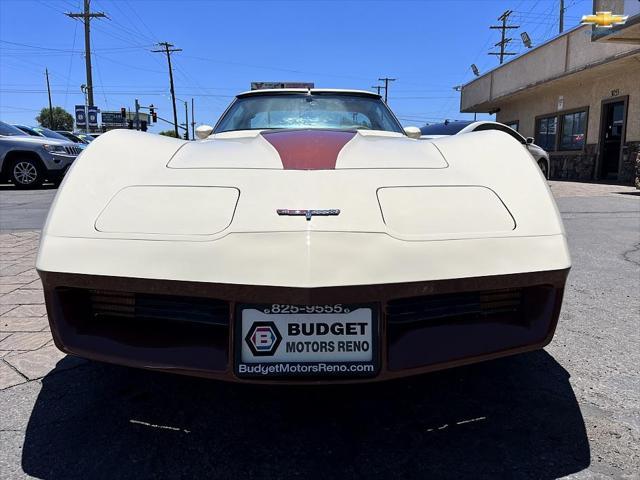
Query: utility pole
[[137, 115], [193, 121], [386, 81], [186, 121], [504, 41], [561, 22], [51, 125], [86, 16], [378, 88], [168, 50]]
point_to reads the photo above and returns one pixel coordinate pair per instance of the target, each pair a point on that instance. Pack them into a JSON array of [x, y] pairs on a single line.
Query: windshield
[[450, 128], [9, 130], [28, 131], [318, 110], [50, 133]]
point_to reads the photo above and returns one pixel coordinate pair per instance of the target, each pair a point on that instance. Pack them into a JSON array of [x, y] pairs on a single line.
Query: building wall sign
[[604, 19], [561, 102]]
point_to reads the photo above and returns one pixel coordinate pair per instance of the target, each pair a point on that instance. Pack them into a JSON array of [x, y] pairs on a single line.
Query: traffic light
[[143, 125], [154, 115], [123, 112]]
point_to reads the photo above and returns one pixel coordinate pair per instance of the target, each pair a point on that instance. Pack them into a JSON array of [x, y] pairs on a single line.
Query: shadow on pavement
[[9, 186], [512, 418]]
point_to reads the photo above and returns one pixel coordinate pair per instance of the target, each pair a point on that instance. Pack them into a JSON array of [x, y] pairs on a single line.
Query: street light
[[85, 90]]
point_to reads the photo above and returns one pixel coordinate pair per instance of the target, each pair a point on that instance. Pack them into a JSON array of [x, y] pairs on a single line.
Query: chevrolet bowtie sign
[[604, 19]]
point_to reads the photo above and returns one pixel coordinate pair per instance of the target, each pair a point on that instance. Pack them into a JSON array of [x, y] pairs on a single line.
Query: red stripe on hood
[[308, 149]]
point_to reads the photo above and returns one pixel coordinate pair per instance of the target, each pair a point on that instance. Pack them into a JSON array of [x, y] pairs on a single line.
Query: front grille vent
[[161, 307], [433, 307], [73, 150]]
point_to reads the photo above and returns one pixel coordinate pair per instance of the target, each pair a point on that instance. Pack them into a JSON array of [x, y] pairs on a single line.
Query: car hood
[[537, 148], [28, 139], [308, 149], [255, 208]]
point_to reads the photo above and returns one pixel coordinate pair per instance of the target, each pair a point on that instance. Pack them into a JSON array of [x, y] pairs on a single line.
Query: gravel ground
[[570, 410]]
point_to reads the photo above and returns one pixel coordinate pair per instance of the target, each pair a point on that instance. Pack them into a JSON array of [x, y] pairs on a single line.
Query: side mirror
[[203, 131], [413, 132], [530, 140]]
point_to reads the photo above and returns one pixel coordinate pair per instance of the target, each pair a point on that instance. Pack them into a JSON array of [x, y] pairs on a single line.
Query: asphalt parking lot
[[570, 410]]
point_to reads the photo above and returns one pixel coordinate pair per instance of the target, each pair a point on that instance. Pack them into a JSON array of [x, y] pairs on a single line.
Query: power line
[[104, 95], [87, 15], [168, 50], [66, 50], [504, 40], [66, 95]]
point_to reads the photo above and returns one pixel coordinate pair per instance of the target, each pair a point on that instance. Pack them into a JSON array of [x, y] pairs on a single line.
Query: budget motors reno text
[[311, 340]]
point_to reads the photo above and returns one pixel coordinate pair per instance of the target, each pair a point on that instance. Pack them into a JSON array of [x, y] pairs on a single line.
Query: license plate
[[279, 340]]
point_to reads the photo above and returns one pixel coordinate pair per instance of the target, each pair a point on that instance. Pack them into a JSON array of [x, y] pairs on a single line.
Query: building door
[[611, 138]]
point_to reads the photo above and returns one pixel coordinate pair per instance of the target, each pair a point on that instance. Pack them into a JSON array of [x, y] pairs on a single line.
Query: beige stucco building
[[578, 95]]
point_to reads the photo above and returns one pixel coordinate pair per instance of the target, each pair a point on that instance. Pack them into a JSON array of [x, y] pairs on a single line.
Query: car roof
[[286, 91], [445, 128], [456, 126]]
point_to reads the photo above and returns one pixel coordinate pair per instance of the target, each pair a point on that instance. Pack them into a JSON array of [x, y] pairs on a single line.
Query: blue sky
[[427, 45]]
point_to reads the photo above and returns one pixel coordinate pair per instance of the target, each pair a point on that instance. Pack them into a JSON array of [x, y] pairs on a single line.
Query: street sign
[[81, 118], [114, 118]]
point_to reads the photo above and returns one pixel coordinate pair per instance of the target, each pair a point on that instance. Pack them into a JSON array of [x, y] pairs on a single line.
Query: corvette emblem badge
[[308, 213]]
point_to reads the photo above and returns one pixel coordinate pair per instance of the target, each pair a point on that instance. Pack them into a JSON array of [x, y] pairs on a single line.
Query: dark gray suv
[[28, 161]]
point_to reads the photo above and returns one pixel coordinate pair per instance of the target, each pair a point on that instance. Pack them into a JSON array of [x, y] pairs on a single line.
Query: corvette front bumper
[[160, 324]]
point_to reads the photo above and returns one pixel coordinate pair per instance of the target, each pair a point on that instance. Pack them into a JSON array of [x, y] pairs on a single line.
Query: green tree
[[168, 133], [62, 120]]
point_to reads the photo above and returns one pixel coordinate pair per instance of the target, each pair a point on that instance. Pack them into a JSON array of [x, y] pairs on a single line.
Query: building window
[[574, 127], [546, 129], [515, 125]]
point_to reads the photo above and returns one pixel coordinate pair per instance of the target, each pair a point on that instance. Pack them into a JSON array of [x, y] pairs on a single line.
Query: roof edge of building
[[528, 52], [489, 103]]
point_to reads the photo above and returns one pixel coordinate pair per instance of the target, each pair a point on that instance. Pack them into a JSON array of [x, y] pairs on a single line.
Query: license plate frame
[[304, 369]]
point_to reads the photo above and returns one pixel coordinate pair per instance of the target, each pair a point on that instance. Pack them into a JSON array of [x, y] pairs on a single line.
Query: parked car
[[77, 137], [305, 238], [437, 130], [27, 161], [47, 133]]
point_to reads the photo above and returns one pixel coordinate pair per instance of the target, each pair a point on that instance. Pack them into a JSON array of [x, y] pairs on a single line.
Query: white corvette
[[308, 238]]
